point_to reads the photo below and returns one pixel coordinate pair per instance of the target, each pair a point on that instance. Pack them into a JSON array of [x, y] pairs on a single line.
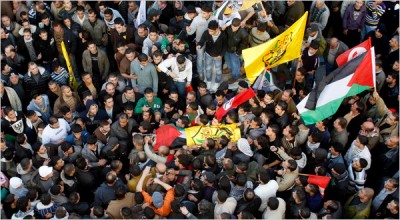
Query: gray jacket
[[97, 32], [90, 156]]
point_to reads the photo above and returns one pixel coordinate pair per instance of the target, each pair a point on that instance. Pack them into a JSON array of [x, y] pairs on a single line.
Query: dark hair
[[222, 195], [149, 212], [8, 154], [273, 203], [91, 139], [305, 212], [108, 11], [184, 159], [143, 57], [120, 192], [20, 138], [262, 27], [32, 194], [45, 199], [363, 162], [219, 93], [181, 59], [98, 211], [185, 121], [292, 165], [139, 199], [283, 105], [81, 163], [264, 177], [22, 203], [126, 213], [119, 21], [213, 25], [153, 29], [338, 147], [235, 22], [234, 116], [55, 190], [179, 190], [363, 139]]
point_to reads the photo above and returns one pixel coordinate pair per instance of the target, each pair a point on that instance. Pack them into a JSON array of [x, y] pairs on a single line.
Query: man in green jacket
[[149, 102], [359, 205]]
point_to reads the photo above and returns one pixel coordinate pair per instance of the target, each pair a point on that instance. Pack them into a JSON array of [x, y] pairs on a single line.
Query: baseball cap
[[157, 199], [244, 147], [312, 28]]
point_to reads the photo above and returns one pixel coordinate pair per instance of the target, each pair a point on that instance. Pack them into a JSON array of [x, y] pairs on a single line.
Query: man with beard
[[67, 98]]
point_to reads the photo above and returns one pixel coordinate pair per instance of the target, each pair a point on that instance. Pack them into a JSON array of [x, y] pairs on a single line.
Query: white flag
[[141, 17]]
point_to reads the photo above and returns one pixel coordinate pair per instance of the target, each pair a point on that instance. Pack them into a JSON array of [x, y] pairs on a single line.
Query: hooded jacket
[[93, 122]]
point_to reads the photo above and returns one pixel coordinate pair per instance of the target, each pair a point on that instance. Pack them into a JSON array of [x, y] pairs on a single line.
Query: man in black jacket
[[215, 42], [237, 41]]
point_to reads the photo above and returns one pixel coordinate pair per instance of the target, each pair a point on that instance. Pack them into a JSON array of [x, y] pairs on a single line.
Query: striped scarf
[[316, 14]]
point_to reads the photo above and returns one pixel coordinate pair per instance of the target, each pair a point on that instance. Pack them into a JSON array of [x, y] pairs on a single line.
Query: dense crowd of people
[[85, 149]]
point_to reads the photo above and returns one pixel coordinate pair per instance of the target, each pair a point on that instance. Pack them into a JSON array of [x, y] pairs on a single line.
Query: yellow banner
[[239, 5], [281, 49], [72, 81], [196, 135]]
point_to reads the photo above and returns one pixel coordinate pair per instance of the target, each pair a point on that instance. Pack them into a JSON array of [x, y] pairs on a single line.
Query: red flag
[[365, 73], [321, 181], [354, 52], [165, 135], [234, 102]]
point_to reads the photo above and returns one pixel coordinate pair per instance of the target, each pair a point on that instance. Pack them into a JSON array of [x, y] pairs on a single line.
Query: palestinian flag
[[350, 79]]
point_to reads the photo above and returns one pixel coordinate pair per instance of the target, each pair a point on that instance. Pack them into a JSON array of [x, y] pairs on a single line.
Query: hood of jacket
[[90, 103], [41, 71], [21, 171]]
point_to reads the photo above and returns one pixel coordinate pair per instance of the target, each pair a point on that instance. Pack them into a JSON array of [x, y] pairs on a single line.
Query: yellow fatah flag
[[197, 134], [72, 81], [283, 48], [239, 5]]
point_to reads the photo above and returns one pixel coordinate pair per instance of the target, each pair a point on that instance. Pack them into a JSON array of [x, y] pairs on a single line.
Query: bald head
[[161, 167], [369, 192], [163, 150]]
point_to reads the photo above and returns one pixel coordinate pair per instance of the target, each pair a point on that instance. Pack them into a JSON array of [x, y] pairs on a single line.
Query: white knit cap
[[244, 147]]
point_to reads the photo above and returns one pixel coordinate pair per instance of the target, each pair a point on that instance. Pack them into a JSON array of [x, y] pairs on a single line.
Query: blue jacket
[[70, 138]]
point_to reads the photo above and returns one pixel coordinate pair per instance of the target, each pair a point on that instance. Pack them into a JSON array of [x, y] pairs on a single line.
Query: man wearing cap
[[17, 187], [199, 26], [43, 179], [160, 205], [314, 33]]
